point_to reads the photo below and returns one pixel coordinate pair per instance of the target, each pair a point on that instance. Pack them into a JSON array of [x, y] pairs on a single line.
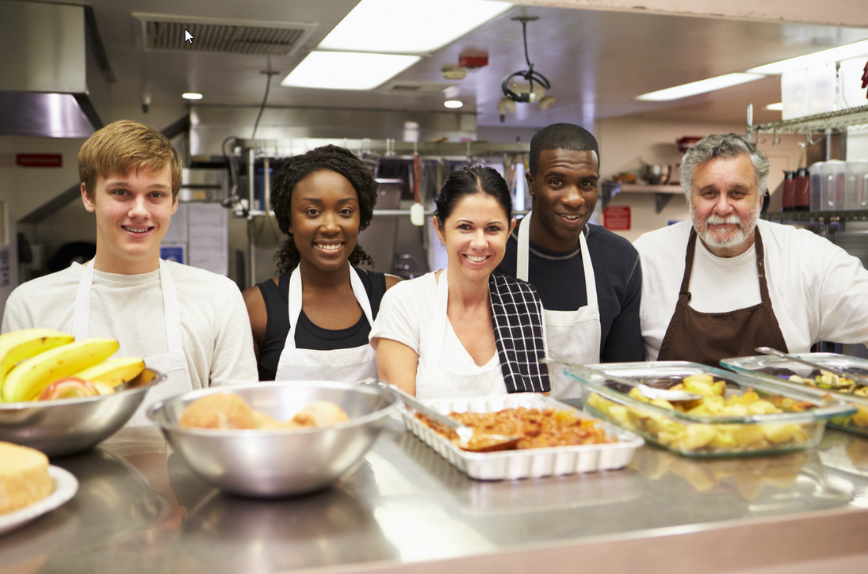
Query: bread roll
[[320, 414], [219, 411]]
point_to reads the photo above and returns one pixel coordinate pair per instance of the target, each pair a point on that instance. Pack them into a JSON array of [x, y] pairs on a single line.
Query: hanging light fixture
[[530, 76]]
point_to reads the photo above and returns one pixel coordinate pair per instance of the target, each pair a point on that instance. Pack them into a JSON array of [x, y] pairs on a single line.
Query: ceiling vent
[[167, 33]]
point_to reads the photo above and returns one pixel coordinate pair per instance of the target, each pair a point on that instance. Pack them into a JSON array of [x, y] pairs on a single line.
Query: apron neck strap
[[684, 294], [522, 253], [171, 309], [295, 300]]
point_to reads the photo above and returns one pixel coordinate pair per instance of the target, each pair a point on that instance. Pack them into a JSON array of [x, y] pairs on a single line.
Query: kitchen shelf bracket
[[660, 201]]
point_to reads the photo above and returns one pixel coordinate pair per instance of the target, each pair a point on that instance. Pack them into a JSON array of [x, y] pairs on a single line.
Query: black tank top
[[308, 335]]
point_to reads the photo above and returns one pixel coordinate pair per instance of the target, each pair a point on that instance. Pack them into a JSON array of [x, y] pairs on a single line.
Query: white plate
[[65, 487]]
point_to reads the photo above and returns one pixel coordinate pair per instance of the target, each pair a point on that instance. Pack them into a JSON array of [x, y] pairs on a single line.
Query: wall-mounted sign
[[39, 160], [617, 218]]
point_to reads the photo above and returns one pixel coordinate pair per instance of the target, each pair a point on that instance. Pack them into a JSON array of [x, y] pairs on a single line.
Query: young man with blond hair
[[188, 323]]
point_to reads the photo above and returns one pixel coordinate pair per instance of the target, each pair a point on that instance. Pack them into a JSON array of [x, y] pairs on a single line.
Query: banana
[[20, 345], [29, 378], [113, 372]]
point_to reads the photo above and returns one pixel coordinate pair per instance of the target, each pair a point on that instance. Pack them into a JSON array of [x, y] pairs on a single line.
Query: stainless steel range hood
[[54, 75]]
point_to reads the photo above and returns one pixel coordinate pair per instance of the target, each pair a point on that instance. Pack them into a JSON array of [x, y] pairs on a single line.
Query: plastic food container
[[525, 463], [703, 435], [777, 371]]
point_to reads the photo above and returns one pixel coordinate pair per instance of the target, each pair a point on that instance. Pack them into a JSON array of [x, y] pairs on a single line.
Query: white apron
[[172, 363], [434, 381], [572, 336], [345, 365]]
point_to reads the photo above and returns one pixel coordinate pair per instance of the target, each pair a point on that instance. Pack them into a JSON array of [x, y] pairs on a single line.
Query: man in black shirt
[[588, 278]]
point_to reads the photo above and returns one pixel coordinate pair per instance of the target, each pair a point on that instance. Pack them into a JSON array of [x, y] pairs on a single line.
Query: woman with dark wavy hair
[[312, 321], [465, 331]]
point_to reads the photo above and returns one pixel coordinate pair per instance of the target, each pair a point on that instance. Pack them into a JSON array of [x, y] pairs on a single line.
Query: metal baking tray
[[526, 463]]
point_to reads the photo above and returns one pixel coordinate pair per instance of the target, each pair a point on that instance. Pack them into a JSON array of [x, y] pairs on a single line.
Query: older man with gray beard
[[744, 283]]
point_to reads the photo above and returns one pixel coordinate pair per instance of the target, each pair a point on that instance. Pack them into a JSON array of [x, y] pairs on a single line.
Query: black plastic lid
[[803, 172], [789, 174]]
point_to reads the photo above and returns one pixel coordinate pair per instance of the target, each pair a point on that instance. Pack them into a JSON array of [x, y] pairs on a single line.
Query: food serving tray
[[703, 435], [777, 370], [525, 463]]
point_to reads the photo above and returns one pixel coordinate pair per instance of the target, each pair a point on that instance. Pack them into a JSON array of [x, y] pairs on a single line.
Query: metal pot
[[657, 174]]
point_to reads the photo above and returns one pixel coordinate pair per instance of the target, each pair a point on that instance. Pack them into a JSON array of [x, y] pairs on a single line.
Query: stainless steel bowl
[[280, 462], [657, 174], [68, 426]]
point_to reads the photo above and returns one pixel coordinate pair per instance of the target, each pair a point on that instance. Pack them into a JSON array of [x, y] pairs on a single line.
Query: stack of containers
[[832, 185], [836, 185], [855, 179]]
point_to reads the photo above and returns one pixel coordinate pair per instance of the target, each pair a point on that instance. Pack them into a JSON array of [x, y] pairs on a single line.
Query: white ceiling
[[597, 61]]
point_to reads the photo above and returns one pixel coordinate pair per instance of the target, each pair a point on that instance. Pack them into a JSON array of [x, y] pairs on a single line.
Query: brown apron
[[709, 337]]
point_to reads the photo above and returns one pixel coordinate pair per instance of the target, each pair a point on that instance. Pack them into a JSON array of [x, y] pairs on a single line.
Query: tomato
[[69, 388]]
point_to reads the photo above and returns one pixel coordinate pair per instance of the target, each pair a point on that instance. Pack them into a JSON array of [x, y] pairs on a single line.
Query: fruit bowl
[[279, 462], [68, 426]]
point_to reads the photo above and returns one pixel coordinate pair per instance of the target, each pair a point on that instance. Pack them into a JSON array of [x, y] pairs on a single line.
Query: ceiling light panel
[[700, 87], [779, 107], [347, 70], [409, 26], [832, 55]]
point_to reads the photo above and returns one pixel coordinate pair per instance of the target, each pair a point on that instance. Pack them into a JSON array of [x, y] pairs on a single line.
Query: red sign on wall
[[617, 218], [40, 160]]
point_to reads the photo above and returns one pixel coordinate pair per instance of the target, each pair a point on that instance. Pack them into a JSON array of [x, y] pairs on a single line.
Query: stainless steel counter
[[140, 509]]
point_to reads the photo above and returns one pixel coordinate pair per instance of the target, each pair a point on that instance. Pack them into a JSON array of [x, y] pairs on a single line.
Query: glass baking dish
[[700, 435], [778, 370]]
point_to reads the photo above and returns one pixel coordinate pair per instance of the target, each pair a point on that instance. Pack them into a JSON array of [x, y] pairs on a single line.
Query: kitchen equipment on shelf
[[832, 185], [687, 142], [856, 184], [656, 174], [279, 462], [816, 176]]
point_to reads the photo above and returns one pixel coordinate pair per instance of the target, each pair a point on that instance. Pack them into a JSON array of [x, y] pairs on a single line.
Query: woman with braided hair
[[312, 321]]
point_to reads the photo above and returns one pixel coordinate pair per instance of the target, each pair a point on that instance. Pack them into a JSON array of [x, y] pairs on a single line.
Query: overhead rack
[[387, 148], [828, 122], [824, 216]]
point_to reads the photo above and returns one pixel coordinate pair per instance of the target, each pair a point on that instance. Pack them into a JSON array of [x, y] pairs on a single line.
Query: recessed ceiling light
[[402, 27], [699, 87], [831, 55], [453, 103], [778, 106], [191, 96], [347, 70]]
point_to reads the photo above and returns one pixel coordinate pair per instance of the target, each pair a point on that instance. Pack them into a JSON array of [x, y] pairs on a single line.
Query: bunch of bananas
[[33, 359]]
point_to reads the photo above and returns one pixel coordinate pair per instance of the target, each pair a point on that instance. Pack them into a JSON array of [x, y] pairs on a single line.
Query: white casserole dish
[[526, 463]]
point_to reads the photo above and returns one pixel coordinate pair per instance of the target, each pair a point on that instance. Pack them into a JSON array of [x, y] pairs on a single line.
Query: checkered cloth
[[517, 315]]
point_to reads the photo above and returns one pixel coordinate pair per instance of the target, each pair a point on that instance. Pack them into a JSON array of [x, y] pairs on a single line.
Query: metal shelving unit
[[831, 122], [827, 124], [818, 216]]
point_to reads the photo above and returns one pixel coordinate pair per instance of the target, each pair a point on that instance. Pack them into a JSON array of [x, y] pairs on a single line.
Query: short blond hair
[[124, 146]]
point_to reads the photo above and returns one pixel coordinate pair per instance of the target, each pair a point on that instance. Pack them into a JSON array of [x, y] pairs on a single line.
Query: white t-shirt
[[818, 291], [406, 314], [215, 328]]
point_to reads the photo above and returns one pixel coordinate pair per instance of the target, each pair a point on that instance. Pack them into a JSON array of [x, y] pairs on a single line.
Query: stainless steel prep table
[[407, 510]]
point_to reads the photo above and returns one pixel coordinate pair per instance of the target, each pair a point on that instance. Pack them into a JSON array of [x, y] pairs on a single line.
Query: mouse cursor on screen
[[188, 37]]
